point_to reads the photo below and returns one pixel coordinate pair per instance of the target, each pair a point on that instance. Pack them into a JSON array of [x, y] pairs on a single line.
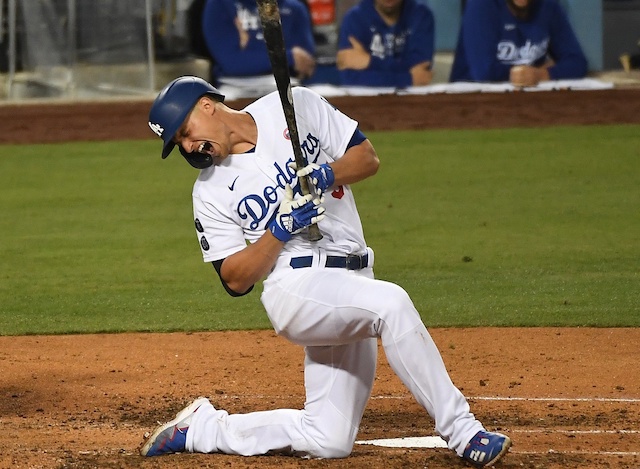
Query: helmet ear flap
[[195, 159]]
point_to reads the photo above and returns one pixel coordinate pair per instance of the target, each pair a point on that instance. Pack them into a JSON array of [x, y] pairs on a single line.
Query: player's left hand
[[321, 176], [295, 215]]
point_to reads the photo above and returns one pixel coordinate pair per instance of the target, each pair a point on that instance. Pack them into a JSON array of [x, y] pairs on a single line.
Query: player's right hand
[[295, 215]]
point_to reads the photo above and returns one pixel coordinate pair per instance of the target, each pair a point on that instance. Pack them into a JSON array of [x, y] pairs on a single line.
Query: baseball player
[[386, 43], [520, 41], [250, 222]]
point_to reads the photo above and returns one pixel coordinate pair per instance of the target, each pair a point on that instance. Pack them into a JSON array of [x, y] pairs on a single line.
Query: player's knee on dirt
[[333, 446], [329, 435]]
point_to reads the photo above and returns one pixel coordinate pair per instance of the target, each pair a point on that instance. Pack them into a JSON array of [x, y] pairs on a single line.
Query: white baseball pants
[[337, 315]]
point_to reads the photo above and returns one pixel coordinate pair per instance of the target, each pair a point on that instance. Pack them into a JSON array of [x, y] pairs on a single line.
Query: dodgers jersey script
[[228, 209]]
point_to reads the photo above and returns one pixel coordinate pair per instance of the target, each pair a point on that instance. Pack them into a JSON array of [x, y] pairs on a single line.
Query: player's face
[[520, 8], [202, 133], [388, 7]]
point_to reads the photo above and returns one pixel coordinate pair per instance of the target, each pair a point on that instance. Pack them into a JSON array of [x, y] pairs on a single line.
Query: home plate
[[409, 442]]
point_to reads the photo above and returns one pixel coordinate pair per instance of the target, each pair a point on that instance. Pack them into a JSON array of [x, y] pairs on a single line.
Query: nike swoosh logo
[[233, 184]]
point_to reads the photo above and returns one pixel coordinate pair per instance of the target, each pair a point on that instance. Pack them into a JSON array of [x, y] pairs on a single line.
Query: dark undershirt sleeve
[[218, 265]]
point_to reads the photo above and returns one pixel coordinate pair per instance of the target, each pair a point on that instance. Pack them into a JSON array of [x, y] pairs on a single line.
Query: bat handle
[[314, 233]]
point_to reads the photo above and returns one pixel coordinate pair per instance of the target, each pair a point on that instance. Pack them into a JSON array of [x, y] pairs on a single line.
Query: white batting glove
[[321, 176], [295, 215]]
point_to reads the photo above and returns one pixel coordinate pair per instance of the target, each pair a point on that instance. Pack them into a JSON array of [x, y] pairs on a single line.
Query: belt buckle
[[355, 262]]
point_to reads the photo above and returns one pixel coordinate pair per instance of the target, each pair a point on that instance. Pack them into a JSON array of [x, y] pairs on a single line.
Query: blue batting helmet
[[174, 103]]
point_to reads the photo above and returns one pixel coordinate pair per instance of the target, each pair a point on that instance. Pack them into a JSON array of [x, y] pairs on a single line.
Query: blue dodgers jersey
[[492, 40], [393, 49], [223, 38]]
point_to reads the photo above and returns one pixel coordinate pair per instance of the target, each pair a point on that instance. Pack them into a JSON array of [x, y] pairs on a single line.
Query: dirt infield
[[568, 397]]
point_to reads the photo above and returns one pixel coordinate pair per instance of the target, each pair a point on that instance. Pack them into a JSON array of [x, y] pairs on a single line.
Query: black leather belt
[[350, 262]]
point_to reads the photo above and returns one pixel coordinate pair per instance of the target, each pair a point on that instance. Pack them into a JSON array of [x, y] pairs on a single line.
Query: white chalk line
[[631, 400], [555, 399], [575, 432], [579, 453], [533, 399]]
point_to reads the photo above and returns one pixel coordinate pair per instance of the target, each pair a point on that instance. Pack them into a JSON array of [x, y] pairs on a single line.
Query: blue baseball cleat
[[172, 436], [485, 448]]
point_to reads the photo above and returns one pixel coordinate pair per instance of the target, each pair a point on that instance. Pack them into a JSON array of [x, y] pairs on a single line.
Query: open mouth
[[206, 148]]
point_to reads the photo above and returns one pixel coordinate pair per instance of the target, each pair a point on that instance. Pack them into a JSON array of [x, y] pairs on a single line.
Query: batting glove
[[295, 215], [321, 176]]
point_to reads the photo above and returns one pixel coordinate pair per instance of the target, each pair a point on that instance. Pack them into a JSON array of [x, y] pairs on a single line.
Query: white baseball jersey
[[235, 199]]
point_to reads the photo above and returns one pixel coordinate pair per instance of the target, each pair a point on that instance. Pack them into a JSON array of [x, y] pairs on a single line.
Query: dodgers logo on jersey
[[509, 52], [256, 207]]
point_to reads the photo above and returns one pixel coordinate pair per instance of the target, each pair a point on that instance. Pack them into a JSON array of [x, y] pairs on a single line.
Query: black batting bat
[[272, 30]]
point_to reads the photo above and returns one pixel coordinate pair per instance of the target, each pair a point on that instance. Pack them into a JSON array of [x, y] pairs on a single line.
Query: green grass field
[[520, 227]]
